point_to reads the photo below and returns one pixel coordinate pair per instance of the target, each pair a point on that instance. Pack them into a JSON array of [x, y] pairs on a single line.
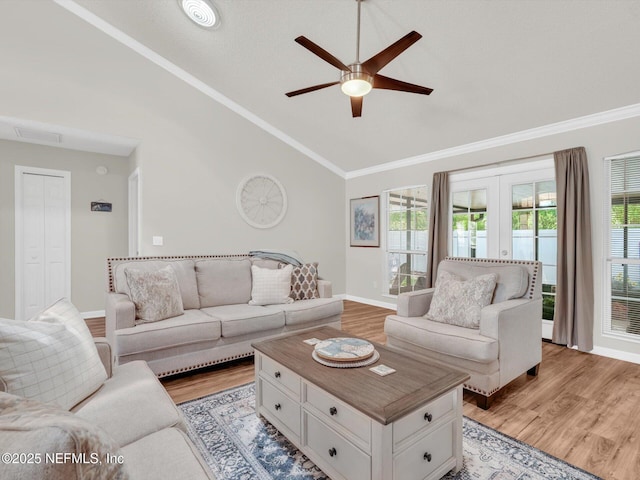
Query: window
[[407, 223], [622, 317]]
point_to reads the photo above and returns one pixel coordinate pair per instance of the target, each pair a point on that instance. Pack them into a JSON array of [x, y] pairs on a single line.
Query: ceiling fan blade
[[322, 53], [356, 106], [379, 60], [387, 83], [310, 89]]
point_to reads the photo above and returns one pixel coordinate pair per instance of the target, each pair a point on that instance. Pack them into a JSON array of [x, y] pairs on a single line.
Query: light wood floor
[[582, 408]]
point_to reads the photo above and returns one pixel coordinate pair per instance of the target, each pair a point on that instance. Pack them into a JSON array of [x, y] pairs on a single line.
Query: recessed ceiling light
[[201, 12]]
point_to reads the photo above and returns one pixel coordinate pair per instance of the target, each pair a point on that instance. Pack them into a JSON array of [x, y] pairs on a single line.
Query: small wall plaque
[[100, 207]]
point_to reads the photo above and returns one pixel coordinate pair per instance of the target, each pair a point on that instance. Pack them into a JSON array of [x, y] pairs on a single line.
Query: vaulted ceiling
[[496, 66]]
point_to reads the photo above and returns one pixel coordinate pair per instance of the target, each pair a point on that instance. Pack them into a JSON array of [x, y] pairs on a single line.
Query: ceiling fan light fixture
[[356, 83], [201, 12]]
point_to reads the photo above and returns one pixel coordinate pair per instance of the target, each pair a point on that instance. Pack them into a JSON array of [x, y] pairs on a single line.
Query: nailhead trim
[[202, 365]]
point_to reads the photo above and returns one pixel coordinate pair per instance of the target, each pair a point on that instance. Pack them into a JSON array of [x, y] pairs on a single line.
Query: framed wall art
[[365, 222]]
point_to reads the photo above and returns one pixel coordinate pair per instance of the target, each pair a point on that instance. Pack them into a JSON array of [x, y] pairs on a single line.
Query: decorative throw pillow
[[37, 429], [50, 358], [458, 302], [304, 282], [156, 295], [269, 286]]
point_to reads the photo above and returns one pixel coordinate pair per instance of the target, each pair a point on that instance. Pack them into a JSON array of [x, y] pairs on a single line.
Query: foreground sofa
[[218, 322], [66, 413], [505, 343]]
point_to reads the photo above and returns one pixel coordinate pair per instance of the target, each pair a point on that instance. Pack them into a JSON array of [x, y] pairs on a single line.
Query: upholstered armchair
[[483, 317]]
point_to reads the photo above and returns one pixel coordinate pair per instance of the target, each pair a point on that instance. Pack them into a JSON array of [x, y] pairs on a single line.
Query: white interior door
[[42, 213]]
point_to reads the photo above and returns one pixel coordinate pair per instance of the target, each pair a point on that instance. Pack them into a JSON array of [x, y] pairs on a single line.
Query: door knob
[[504, 253]]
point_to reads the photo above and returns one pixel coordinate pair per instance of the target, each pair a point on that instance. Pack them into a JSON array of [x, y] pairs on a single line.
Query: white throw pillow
[[50, 358], [156, 294], [458, 302], [269, 286]]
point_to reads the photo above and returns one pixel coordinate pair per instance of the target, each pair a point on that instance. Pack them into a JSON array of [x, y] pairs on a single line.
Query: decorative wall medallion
[[261, 201]]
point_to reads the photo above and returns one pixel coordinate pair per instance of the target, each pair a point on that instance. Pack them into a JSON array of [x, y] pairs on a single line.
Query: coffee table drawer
[[281, 407], [339, 413], [335, 451], [421, 459], [422, 418], [280, 375]]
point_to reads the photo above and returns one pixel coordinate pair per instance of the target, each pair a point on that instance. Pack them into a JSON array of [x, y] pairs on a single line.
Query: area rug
[[238, 445]]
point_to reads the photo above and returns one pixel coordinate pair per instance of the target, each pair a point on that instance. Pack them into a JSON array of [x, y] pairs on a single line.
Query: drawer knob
[[333, 411], [332, 452], [278, 406], [428, 417], [277, 374], [427, 456]]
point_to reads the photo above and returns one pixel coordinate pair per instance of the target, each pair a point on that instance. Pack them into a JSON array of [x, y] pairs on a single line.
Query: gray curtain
[[573, 318], [438, 225]]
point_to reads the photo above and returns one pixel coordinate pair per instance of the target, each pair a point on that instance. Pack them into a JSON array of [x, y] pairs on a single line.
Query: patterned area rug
[[238, 445]]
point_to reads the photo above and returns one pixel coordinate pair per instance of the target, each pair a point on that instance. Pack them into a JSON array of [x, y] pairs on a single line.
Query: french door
[[509, 213]]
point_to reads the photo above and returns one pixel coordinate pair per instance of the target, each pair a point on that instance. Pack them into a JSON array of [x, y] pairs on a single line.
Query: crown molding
[[608, 116], [185, 76]]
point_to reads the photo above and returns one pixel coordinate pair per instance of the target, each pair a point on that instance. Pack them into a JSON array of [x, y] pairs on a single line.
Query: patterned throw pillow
[[50, 358], [38, 429], [270, 286], [304, 282], [458, 302], [156, 295]]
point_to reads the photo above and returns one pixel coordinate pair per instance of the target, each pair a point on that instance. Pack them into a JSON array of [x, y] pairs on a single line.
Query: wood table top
[[384, 399]]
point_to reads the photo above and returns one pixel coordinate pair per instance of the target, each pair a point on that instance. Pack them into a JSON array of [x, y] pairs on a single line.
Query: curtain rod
[[501, 163]]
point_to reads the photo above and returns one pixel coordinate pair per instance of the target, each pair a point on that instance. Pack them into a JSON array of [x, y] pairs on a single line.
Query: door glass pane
[[470, 224], [534, 227]]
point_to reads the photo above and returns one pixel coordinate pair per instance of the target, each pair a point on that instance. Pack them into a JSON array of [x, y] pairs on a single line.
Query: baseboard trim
[[94, 314], [617, 354], [368, 301]]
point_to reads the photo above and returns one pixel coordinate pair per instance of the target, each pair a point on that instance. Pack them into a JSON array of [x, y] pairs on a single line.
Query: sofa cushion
[[304, 282], [193, 326], [50, 358], [132, 404], [459, 302], [305, 311], [511, 282], [39, 429], [461, 342], [223, 282], [156, 295], [185, 273], [174, 456], [242, 319], [269, 286]]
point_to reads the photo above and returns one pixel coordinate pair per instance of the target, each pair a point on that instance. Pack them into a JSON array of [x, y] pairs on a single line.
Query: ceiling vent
[[38, 135]]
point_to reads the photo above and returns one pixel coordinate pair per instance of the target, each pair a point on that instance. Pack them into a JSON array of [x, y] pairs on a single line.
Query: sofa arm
[[414, 304], [324, 289], [517, 325], [104, 351], [120, 313]]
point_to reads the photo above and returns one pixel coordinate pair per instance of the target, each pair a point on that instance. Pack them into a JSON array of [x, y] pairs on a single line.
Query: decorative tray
[[344, 349]]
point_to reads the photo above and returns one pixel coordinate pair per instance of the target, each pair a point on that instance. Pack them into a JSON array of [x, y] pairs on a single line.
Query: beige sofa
[[507, 341], [218, 323], [130, 425]]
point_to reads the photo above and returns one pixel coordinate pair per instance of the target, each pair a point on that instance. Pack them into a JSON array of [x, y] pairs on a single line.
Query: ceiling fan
[[358, 78]]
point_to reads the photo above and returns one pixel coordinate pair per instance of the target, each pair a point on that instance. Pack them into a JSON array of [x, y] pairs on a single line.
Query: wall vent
[[38, 135]]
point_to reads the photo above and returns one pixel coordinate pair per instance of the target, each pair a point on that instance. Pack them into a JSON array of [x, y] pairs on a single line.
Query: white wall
[[192, 152], [365, 265], [94, 235]]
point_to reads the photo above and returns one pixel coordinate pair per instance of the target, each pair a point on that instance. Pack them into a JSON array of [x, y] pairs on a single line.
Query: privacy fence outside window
[[406, 242], [622, 315]]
